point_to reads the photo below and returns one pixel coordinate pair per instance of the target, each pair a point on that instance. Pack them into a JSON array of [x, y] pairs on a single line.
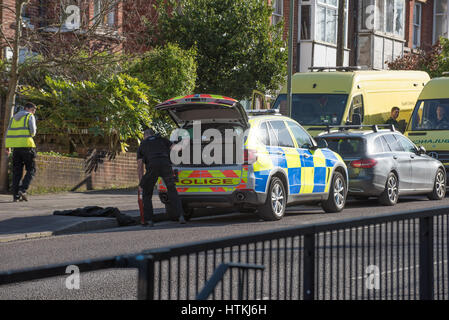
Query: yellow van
[[351, 96], [429, 124]]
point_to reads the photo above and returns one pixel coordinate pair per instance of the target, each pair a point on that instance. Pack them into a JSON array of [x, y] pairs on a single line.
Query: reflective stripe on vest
[[18, 135]]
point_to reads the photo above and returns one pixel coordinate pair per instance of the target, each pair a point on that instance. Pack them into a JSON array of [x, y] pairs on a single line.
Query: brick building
[[116, 24], [376, 31]]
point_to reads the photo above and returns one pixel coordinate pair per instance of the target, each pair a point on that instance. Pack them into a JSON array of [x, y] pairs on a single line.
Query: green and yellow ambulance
[[349, 96], [429, 123]]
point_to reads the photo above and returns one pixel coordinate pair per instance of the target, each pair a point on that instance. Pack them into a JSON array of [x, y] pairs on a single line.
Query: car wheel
[[337, 194], [390, 195], [274, 207], [439, 186]]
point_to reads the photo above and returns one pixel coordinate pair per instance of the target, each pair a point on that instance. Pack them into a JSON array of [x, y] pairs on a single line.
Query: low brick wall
[[64, 173]]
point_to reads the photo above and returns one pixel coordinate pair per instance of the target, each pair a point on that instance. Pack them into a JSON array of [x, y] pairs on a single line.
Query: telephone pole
[[290, 57], [341, 32]]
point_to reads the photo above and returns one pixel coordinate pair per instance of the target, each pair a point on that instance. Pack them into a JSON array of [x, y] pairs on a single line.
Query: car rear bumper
[[241, 198], [365, 186]]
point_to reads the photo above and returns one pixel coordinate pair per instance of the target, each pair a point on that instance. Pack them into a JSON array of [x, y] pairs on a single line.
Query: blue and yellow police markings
[[307, 171]]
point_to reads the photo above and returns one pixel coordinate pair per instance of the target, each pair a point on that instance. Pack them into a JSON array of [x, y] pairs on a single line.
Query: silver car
[[386, 164]]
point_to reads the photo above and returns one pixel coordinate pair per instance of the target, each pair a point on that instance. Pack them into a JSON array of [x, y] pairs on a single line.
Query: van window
[[283, 135], [315, 109], [431, 115], [356, 108], [301, 136]]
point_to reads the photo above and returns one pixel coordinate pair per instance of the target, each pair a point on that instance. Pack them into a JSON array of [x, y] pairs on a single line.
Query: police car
[[259, 163]]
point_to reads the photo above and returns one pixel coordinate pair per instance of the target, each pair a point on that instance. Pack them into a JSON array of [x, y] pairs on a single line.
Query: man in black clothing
[[154, 152]]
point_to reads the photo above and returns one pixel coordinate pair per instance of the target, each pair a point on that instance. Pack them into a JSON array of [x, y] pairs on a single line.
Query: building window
[[278, 11], [305, 22], [326, 21], [441, 19], [417, 18], [386, 16], [104, 12]]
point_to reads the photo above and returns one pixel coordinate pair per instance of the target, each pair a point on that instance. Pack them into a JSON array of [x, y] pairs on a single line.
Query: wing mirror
[[356, 119], [322, 144], [422, 150]]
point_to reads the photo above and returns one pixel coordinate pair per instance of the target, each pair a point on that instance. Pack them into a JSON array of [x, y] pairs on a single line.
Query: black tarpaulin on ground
[[99, 212]]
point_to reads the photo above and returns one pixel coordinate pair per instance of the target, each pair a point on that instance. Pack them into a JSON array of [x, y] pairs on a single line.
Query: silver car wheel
[[392, 187], [440, 184], [277, 200], [339, 193]]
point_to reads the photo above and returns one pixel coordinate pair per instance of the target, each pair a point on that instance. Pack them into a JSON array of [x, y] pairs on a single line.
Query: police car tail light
[[249, 156], [363, 163]]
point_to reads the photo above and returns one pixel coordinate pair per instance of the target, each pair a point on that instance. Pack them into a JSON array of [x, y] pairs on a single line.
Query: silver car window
[[407, 145], [393, 143]]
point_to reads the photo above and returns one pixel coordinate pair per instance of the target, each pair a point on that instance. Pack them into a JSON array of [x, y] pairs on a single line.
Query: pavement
[[35, 219]]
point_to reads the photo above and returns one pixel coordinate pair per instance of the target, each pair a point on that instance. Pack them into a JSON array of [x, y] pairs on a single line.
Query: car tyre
[[276, 203], [439, 186], [337, 194], [390, 195]]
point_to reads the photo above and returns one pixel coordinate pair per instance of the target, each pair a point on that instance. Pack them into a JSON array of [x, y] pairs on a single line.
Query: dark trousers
[[165, 171], [22, 157]]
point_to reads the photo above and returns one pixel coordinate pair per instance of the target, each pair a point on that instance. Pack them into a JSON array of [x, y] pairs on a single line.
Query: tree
[[435, 61], [239, 50], [169, 70], [55, 38]]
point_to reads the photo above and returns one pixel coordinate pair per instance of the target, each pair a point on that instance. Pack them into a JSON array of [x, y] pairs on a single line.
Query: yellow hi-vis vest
[[18, 134]]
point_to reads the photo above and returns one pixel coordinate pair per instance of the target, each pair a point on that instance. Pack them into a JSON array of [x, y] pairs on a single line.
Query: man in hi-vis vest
[[19, 137]]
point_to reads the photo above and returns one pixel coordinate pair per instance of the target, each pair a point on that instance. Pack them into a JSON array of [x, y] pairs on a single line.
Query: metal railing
[[396, 256]]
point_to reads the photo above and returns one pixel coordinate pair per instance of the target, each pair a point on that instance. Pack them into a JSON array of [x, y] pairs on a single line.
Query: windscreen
[[431, 115], [314, 109], [346, 147]]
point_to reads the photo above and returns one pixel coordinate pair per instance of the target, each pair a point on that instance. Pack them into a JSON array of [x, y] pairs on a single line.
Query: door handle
[[395, 157], [412, 156], [307, 155]]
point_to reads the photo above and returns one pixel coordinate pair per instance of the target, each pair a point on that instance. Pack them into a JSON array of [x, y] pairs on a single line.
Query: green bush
[[117, 108]]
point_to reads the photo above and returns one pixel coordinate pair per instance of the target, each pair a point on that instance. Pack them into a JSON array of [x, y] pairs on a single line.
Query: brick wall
[[426, 23], [63, 173]]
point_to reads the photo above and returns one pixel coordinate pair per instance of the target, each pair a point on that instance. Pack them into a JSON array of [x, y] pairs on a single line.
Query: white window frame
[[109, 19], [326, 6], [417, 25], [383, 30], [278, 11], [435, 37]]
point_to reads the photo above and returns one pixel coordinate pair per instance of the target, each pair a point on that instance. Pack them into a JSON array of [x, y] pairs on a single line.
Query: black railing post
[[145, 281], [426, 258], [309, 266]]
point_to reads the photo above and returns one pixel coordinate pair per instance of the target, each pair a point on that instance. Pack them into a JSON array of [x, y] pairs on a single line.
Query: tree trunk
[[13, 79]]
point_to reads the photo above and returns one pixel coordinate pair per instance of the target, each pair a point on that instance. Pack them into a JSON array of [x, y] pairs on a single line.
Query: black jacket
[[154, 149]]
